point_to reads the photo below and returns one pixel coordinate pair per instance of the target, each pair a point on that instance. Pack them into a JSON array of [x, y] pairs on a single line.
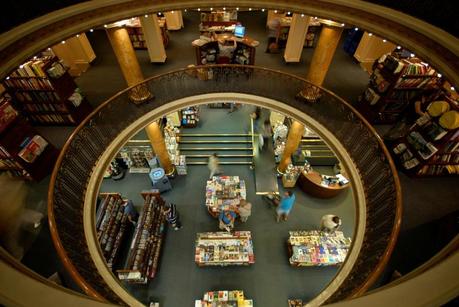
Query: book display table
[[223, 192], [223, 248], [233, 298], [317, 248]]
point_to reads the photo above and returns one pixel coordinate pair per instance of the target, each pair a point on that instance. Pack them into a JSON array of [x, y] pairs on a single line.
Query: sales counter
[[321, 186]]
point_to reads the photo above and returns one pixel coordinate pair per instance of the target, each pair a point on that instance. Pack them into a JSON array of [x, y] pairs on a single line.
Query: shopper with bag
[[329, 223]]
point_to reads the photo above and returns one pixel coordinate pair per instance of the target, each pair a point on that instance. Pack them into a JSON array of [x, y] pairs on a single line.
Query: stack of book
[[223, 248], [225, 298], [222, 192], [316, 248]]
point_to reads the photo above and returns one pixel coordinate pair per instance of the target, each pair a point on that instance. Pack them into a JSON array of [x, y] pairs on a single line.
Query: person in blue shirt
[[285, 206], [226, 219], [130, 211]]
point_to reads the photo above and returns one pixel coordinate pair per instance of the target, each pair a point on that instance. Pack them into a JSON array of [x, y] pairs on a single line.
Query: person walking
[[130, 211], [172, 216], [329, 223], [244, 210], [266, 132], [285, 206], [213, 165]]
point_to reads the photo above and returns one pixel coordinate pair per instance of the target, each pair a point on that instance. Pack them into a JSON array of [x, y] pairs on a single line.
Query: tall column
[[296, 37], [153, 38], [77, 53], [125, 54], [293, 141], [323, 53], [174, 20], [159, 146], [321, 60]]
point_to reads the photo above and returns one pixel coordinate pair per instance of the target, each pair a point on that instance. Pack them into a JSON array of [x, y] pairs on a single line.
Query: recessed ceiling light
[[172, 12], [399, 47], [63, 42], [250, 8], [412, 55], [199, 9], [452, 88], [146, 15], [105, 26], [211, 8], [7, 78], [49, 49], [91, 30], [370, 34], [356, 29], [275, 11], [439, 75], [262, 10], [289, 13], [237, 9], [21, 66], [302, 15], [78, 35], [35, 57], [224, 8], [342, 24], [384, 40], [185, 10]]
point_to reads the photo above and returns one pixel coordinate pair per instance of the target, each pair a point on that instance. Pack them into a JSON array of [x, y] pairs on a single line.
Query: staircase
[[317, 152], [232, 149]]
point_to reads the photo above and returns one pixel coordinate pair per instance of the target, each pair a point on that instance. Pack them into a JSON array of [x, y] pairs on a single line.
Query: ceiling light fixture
[[91, 30], [356, 29]]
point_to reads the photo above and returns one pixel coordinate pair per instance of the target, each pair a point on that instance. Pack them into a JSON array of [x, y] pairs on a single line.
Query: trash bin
[[159, 180]]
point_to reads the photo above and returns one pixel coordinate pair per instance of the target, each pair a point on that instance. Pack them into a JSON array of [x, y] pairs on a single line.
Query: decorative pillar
[[371, 47], [159, 147], [77, 53], [153, 38], [296, 38], [293, 141], [321, 59], [125, 54], [174, 20]]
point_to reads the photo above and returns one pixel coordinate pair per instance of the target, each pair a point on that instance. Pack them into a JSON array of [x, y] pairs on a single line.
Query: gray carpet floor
[[424, 200]]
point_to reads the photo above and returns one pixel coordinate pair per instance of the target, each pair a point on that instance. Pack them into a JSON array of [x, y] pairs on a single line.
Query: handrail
[[360, 141]]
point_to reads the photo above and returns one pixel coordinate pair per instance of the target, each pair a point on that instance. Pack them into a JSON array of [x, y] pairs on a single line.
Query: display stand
[[136, 158], [429, 148], [223, 248], [218, 21], [224, 192], [144, 253], [394, 86], [20, 155], [317, 248], [112, 225], [46, 94], [234, 298]]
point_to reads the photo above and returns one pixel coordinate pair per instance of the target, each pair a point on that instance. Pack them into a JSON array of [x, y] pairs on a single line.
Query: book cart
[[317, 248], [112, 226], [46, 94], [224, 249], [145, 250], [431, 145]]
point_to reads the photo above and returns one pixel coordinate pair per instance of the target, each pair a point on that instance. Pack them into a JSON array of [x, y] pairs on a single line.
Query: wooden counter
[[310, 183]]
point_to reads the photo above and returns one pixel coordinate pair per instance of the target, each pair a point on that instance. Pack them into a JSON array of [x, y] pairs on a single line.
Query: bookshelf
[[431, 146], [23, 152], [46, 94], [190, 117], [244, 54], [394, 86], [112, 227], [144, 253]]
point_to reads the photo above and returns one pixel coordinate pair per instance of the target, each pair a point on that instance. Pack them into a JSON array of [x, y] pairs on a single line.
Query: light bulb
[[356, 29], [370, 34]]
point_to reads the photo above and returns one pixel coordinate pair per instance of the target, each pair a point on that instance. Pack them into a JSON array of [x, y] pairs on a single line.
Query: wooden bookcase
[[112, 227], [14, 130], [428, 149], [144, 253], [190, 117], [395, 85], [46, 94]]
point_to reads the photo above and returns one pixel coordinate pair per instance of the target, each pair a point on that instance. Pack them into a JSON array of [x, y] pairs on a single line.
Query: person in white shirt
[[244, 209], [330, 223]]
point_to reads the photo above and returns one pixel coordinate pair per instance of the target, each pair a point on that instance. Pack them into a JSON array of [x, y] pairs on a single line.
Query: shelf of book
[[224, 249], [394, 86], [431, 145], [190, 117], [145, 250], [44, 85], [137, 37], [112, 226], [234, 298]]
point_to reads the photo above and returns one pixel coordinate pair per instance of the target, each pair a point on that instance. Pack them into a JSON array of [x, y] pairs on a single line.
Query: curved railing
[[86, 145]]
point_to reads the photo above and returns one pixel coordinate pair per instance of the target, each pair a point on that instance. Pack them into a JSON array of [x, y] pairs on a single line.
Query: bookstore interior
[[148, 177]]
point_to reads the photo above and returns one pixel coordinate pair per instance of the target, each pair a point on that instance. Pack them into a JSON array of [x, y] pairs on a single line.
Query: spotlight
[[105, 26], [146, 15], [412, 55], [186, 10], [63, 42], [224, 8], [275, 11], [237, 9], [91, 30], [262, 10], [439, 75], [342, 24], [356, 29], [250, 8], [399, 47], [384, 40], [199, 9], [452, 88], [78, 35], [302, 15], [370, 34]]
